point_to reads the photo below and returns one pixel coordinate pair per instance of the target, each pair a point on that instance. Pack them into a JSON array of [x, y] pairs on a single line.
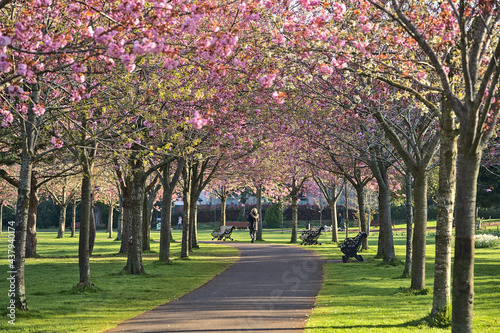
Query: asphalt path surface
[[271, 288]]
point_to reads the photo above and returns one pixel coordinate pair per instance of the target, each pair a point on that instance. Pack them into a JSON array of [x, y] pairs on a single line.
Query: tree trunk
[[444, 222], [62, 219], [119, 229], [294, 196], [1, 216], [166, 215], [335, 227], [409, 224], [146, 225], [186, 233], [127, 215], [385, 223], [258, 235], [110, 221], [85, 212], [92, 226], [346, 219], [193, 209], [24, 196], [223, 200], [73, 218], [22, 207], [360, 192], [420, 231], [166, 224], [463, 265], [134, 254], [31, 239]]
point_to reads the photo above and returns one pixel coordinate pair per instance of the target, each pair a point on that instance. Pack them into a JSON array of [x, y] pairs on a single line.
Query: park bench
[[351, 246], [310, 236], [237, 224], [223, 232]]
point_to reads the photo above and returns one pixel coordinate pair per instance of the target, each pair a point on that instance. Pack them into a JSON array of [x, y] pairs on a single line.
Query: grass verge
[[55, 305], [372, 296]]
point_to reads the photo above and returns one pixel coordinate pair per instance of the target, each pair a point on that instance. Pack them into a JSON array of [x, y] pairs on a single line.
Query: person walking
[[253, 219]]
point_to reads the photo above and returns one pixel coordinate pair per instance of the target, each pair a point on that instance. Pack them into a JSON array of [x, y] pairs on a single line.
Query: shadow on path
[[271, 288]]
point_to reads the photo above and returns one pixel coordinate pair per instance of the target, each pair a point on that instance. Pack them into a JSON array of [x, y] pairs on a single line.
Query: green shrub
[[273, 216]]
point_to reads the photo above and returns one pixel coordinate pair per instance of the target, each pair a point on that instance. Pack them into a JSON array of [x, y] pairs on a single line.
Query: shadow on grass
[[413, 323]]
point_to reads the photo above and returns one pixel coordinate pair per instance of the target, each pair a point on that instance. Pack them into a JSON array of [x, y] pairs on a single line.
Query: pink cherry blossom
[[338, 11], [7, 117], [5, 40], [38, 110], [22, 69], [266, 81], [170, 64], [279, 39], [198, 121], [325, 69], [279, 97], [56, 142], [421, 75]]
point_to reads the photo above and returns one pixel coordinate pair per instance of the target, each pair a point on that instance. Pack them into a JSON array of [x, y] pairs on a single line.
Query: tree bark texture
[[83, 242], [119, 229], [223, 200], [73, 218], [386, 240], [23, 201], [31, 238], [146, 225], [360, 192], [193, 221], [294, 196], [62, 220], [186, 233], [444, 223], [110, 221], [24, 194], [1, 216], [166, 225], [126, 213], [420, 231], [463, 265], [134, 254], [385, 223], [169, 183], [92, 226], [335, 225], [258, 235], [409, 224]]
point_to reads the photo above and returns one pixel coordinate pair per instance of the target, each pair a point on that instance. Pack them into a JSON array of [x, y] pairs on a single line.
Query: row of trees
[[170, 98]]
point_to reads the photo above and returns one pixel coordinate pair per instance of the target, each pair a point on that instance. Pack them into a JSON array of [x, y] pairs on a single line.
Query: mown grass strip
[[55, 306]]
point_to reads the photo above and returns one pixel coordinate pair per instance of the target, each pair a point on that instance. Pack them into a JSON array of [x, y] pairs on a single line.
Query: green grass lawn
[[371, 296], [54, 307], [356, 297]]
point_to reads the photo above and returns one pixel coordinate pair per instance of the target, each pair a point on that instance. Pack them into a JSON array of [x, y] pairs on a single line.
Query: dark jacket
[[252, 222]]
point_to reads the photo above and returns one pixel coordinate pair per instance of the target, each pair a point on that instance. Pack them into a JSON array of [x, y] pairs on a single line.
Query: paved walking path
[[271, 288]]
